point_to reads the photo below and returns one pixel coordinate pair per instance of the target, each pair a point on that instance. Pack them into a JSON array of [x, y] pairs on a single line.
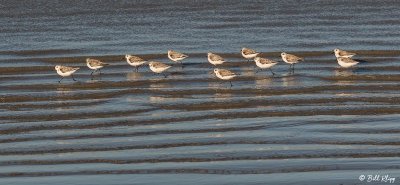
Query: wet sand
[[321, 120], [320, 125]]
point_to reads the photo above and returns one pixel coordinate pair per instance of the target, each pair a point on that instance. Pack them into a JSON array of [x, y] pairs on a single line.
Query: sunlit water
[[320, 125]]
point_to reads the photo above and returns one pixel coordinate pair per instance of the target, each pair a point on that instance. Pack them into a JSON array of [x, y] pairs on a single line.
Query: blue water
[[320, 125], [118, 27]]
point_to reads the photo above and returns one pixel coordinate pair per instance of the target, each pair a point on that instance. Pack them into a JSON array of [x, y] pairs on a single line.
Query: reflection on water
[[157, 99], [94, 78], [62, 91], [159, 86], [248, 70], [264, 82], [216, 135], [223, 96], [344, 94], [344, 82], [163, 99], [290, 81], [188, 121], [221, 84], [134, 76], [343, 73]]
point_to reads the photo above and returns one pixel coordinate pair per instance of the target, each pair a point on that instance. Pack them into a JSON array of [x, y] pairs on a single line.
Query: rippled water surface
[[320, 125]]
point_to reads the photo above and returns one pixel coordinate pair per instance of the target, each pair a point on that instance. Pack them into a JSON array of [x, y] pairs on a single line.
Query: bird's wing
[[175, 54], [248, 51], [266, 61], [160, 65], [225, 72], [65, 69], [348, 60], [94, 62], [216, 57], [346, 53], [291, 57], [135, 59]]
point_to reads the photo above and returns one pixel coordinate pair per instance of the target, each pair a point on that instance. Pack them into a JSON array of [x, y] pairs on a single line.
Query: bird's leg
[[165, 76], [273, 74], [73, 77], [293, 69], [99, 72], [61, 79], [230, 83], [137, 68], [258, 70], [92, 73]]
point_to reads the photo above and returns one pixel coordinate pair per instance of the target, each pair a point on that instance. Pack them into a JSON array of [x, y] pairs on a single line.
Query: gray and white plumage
[[215, 59]]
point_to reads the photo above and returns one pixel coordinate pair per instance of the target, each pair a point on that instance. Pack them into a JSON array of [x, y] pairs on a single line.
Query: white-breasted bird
[[65, 71], [291, 59], [135, 61], [265, 63], [95, 64], [225, 74]]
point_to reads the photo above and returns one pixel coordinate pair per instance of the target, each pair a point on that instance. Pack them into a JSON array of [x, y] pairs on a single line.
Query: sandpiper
[[341, 53], [135, 61], [65, 71], [94, 64], [176, 56], [291, 59], [248, 53], [346, 62], [158, 67], [215, 59], [224, 74], [265, 63]]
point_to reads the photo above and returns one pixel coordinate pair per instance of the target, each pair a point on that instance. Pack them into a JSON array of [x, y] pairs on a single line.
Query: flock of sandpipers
[[343, 58]]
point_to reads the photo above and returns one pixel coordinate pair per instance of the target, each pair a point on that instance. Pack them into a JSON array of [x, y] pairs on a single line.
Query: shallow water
[[320, 125]]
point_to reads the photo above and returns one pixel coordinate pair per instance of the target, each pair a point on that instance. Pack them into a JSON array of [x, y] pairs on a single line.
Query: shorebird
[[65, 71], [291, 59], [346, 62], [158, 67], [265, 63], [94, 64], [176, 56], [341, 53], [215, 59], [248, 53], [224, 74], [135, 61]]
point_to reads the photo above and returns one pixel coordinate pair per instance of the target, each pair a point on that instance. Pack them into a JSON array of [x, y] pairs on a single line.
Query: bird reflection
[[341, 75], [159, 86], [223, 96], [343, 72], [263, 82], [290, 81], [64, 91], [134, 76]]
